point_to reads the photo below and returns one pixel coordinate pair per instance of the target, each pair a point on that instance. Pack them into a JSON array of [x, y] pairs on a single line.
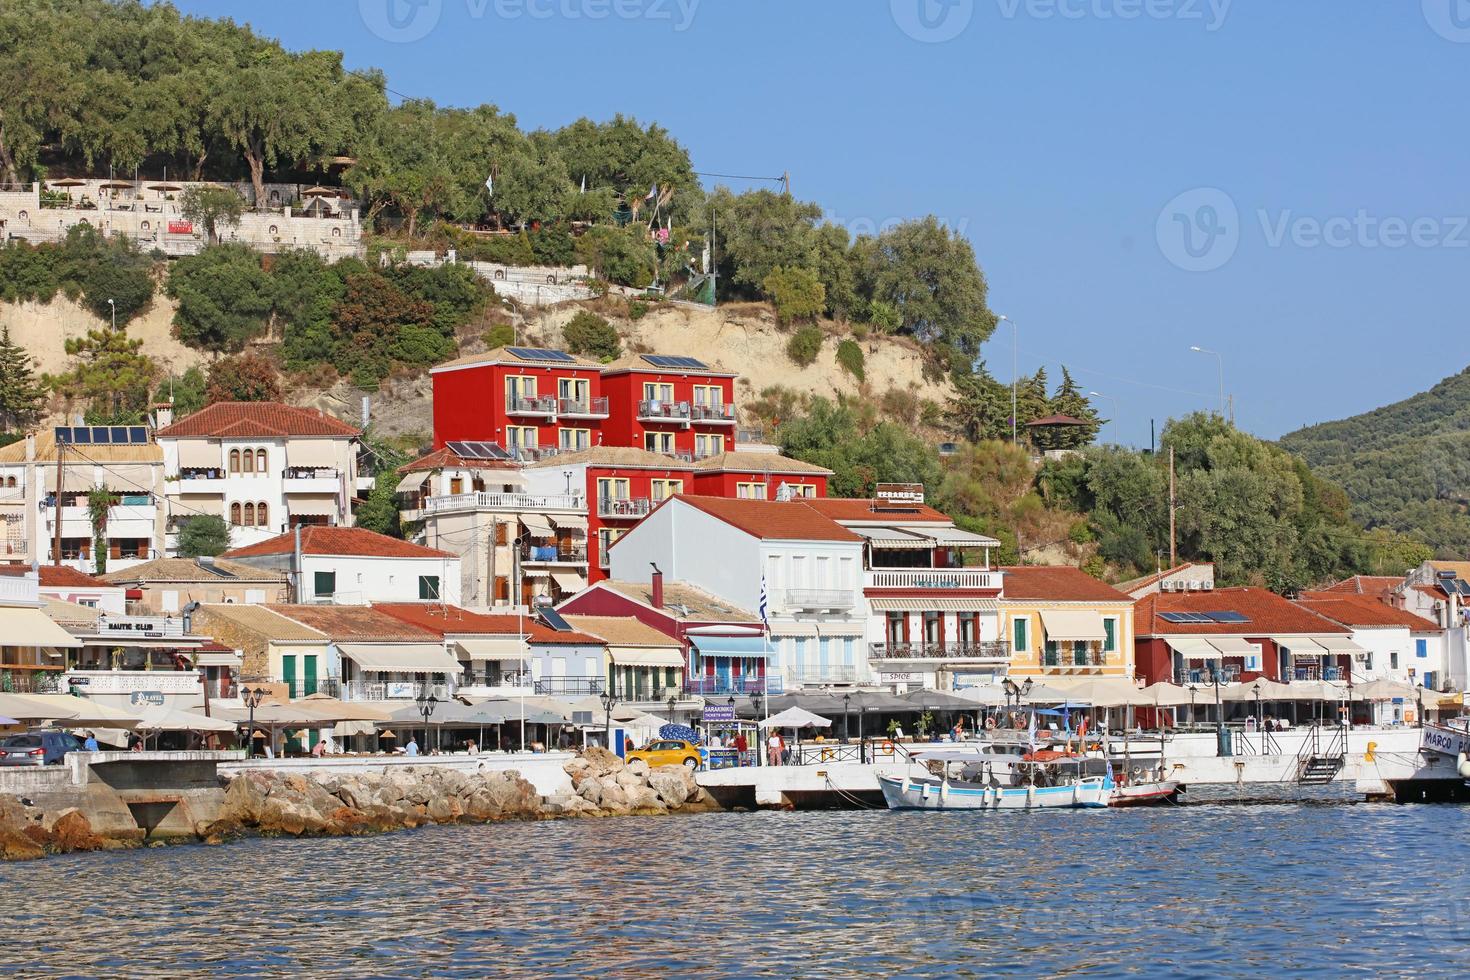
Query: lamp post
[[1221, 748], [1114, 420], [846, 718], [1012, 691], [427, 703], [1015, 369], [1218, 357], [252, 696], [1193, 690], [1419, 698], [112, 308], [1260, 718], [608, 700]]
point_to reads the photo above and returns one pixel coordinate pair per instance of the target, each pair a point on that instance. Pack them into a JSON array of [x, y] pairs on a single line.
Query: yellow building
[[1062, 622]]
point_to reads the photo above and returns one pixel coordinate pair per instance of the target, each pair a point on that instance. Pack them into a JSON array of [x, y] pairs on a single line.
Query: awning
[[729, 646], [892, 537], [645, 657], [199, 454], [1234, 646], [1340, 646], [1073, 624], [312, 452], [947, 604], [1300, 646], [217, 658], [23, 627], [199, 506], [538, 525], [76, 479], [1193, 648], [314, 506], [500, 648], [130, 477], [428, 658], [951, 537], [828, 631], [569, 522], [568, 581], [411, 483]]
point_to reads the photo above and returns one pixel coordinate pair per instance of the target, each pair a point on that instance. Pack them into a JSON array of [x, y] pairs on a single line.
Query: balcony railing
[[809, 676], [592, 408], [989, 650], [361, 690], [721, 414], [530, 406], [623, 507], [660, 411], [818, 599], [1203, 675], [129, 681], [933, 578], [1067, 656], [710, 686], [455, 503], [576, 686], [553, 555]]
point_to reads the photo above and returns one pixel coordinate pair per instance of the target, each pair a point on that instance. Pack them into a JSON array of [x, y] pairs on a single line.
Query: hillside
[[1406, 466]]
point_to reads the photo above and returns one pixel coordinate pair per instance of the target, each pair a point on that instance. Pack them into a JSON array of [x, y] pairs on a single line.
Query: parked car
[[39, 748], [667, 752]]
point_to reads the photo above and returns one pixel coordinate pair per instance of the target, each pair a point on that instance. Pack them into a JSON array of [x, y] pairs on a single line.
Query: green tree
[[1069, 400], [620, 255], [103, 269], [212, 207], [203, 536], [224, 297], [402, 166], [109, 373], [186, 392], [100, 501], [929, 275], [587, 333], [22, 396], [379, 512], [804, 346], [305, 291], [759, 232], [247, 377], [860, 452], [796, 293]]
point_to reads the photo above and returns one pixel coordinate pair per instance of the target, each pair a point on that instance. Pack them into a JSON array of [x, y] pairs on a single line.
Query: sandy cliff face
[[44, 328]]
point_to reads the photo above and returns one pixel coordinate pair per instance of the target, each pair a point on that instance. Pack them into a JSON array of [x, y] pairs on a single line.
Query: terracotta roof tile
[[320, 539], [749, 462], [256, 420], [1375, 585], [260, 620], [771, 520], [629, 363], [628, 457], [503, 355], [678, 597], [64, 576], [1055, 583], [874, 511], [1363, 611], [1267, 613], [452, 620], [193, 570], [354, 623], [46, 452], [441, 458], [623, 631]]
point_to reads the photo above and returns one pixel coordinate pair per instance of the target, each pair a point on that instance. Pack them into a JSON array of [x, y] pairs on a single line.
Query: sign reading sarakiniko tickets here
[[718, 712]]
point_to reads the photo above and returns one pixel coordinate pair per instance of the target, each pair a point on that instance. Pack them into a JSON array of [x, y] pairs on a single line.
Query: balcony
[[1202, 675], [624, 508], [311, 480], [133, 681], [463, 502], [989, 651], [539, 407], [1068, 657], [361, 690], [712, 686], [572, 686], [713, 414], [933, 578], [554, 555], [817, 599], [196, 480], [660, 411], [29, 681], [591, 408], [822, 676]]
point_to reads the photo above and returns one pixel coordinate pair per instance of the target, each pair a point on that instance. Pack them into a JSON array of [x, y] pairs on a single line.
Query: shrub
[[850, 356], [500, 335], [203, 535], [1080, 533], [804, 346], [884, 316], [587, 333], [637, 309], [860, 331], [247, 377], [553, 245], [224, 297], [796, 293]]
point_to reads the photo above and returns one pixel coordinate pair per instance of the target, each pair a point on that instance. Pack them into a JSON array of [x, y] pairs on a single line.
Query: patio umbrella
[[796, 718], [338, 710], [78, 712], [115, 185], [1166, 695], [321, 192], [164, 187], [8, 721], [1045, 694], [68, 182], [162, 718], [1385, 690]]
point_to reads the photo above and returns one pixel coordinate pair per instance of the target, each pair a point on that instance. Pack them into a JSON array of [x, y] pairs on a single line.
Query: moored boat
[[1157, 793], [1022, 784]]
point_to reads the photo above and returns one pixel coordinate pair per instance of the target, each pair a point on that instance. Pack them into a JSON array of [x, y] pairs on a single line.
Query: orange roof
[[352, 542], [446, 458], [874, 511], [1363, 610], [452, 620], [353, 623], [1266, 613], [246, 420], [63, 576], [1056, 583], [1375, 585], [772, 520]]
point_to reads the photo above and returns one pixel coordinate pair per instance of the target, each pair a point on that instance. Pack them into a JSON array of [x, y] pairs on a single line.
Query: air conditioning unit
[[1194, 586], [1361, 658]]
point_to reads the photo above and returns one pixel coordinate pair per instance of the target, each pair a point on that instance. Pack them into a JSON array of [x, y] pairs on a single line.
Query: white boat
[[1054, 782], [1155, 793]]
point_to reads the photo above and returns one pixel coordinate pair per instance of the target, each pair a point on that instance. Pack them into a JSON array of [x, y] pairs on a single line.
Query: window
[[234, 460], [575, 438], [519, 387], [605, 538], [659, 442], [262, 515], [573, 389], [520, 436], [249, 520], [896, 629], [933, 627], [664, 489], [612, 488], [429, 587], [1421, 649], [1079, 653], [658, 392], [708, 445], [247, 461], [1018, 635], [260, 461], [1110, 642], [235, 514], [325, 584], [1051, 654], [750, 491], [456, 485], [802, 491], [711, 396], [1393, 660]]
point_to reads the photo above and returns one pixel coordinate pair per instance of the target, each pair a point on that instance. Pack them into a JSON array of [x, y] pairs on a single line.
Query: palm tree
[[99, 501]]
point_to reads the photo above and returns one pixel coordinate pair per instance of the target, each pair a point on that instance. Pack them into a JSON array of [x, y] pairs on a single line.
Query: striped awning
[[1340, 646], [406, 657], [1073, 624], [498, 648], [538, 525], [569, 522], [941, 604], [892, 537], [1234, 646], [645, 657], [1193, 647], [950, 537], [411, 482]]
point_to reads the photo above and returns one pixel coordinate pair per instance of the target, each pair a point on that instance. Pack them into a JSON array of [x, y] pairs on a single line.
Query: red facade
[[619, 497], [735, 484], [527, 405], [692, 414]]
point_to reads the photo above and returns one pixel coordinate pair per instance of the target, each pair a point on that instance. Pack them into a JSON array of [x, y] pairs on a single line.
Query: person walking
[[412, 748], [91, 743]]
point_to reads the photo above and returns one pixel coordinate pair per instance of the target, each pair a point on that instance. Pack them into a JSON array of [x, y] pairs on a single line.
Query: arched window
[[10, 481], [249, 515], [234, 460], [262, 515], [249, 461], [260, 461], [235, 514]]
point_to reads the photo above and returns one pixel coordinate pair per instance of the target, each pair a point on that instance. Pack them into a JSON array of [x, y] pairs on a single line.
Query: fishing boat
[[1157, 793], [959, 780]]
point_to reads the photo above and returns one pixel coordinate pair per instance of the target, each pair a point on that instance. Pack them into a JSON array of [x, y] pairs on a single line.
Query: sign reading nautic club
[[899, 493]]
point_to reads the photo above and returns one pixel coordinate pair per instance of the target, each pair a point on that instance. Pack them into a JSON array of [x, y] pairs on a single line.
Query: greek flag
[[763, 603]]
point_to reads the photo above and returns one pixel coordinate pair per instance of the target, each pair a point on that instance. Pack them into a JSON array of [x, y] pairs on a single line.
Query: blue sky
[[1282, 181]]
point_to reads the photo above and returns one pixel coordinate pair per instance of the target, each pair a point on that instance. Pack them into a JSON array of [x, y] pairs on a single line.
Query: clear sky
[[1281, 181]]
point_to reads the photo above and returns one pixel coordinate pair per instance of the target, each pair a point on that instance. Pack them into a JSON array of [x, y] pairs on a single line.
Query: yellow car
[[667, 752]]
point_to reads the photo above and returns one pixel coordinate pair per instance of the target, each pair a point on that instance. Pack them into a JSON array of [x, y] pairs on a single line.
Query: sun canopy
[[892, 537], [729, 646], [1385, 690], [330, 707], [538, 525], [162, 718], [951, 537], [407, 657], [1165, 695], [1234, 646], [645, 657], [1193, 648], [24, 707], [76, 712], [411, 482], [21, 626], [1338, 645], [1073, 624], [496, 649], [938, 604], [796, 718]]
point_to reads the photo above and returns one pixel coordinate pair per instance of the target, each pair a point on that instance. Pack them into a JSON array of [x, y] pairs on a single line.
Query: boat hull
[[931, 794], [1146, 794]]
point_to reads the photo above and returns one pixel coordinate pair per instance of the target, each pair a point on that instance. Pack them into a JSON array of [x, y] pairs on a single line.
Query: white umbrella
[[1166, 695], [796, 718], [162, 718], [75, 712], [1385, 690]]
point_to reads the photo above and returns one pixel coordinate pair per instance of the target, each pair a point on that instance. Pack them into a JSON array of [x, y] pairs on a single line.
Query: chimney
[[30, 447], [163, 415], [658, 587]]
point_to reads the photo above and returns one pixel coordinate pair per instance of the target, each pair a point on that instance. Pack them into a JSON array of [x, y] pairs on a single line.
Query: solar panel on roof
[[101, 436], [81, 435], [1173, 617], [667, 361], [1227, 617], [120, 435], [540, 354], [478, 450], [63, 435], [554, 620], [137, 435]]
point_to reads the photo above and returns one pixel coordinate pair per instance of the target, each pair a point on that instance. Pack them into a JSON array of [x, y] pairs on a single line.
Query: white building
[[262, 466], [32, 646], [1398, 645], [811, 570], [62, 584], [355, 566]]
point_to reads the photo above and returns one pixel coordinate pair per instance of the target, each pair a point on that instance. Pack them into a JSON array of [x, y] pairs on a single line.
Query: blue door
[[722, 674]]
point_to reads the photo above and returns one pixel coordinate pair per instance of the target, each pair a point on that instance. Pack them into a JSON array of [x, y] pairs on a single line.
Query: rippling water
[[1280, 890]]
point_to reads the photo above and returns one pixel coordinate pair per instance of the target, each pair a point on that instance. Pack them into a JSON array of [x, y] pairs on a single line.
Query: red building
[[1192, 637], [758, 476], [672, 405], [521, 398], [622, 484]]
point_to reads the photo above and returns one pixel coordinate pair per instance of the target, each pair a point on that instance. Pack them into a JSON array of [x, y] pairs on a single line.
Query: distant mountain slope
[[1406, 465]]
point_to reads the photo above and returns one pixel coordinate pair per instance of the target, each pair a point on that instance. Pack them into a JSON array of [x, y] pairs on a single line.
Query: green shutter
[[1018, 631], [308, 662], [428, 586], [326, 583], [1111, 627], [288, 673]]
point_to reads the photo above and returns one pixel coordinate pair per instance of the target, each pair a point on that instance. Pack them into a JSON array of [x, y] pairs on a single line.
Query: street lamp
[[252, 696], [1114, 420], [1220, 746], [112, 306], [608, 700], [1015, 369], [1419, 697], [1193, 690], [1217, 356], [1260, 718], [846, 718], [427, 704]]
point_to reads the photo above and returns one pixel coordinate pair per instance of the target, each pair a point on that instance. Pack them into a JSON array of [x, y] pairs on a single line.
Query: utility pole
[[56, 511], [1173, 543]]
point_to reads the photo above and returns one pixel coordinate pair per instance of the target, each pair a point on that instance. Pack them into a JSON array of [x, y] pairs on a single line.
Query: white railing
[[588, 408], [531, 406], [819, 675], [818, 599], [723, 414], [18, 588], [128, 681], [503, 501], [933, 578]]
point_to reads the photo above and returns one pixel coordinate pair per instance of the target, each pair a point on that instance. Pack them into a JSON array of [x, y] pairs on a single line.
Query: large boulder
[[73, 832], [590, 790], [644, 800], [602, 760], [675, 785], [628, 779], [244, 799], [16, 846], [638, 767], [512, 794], [445, 809]]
